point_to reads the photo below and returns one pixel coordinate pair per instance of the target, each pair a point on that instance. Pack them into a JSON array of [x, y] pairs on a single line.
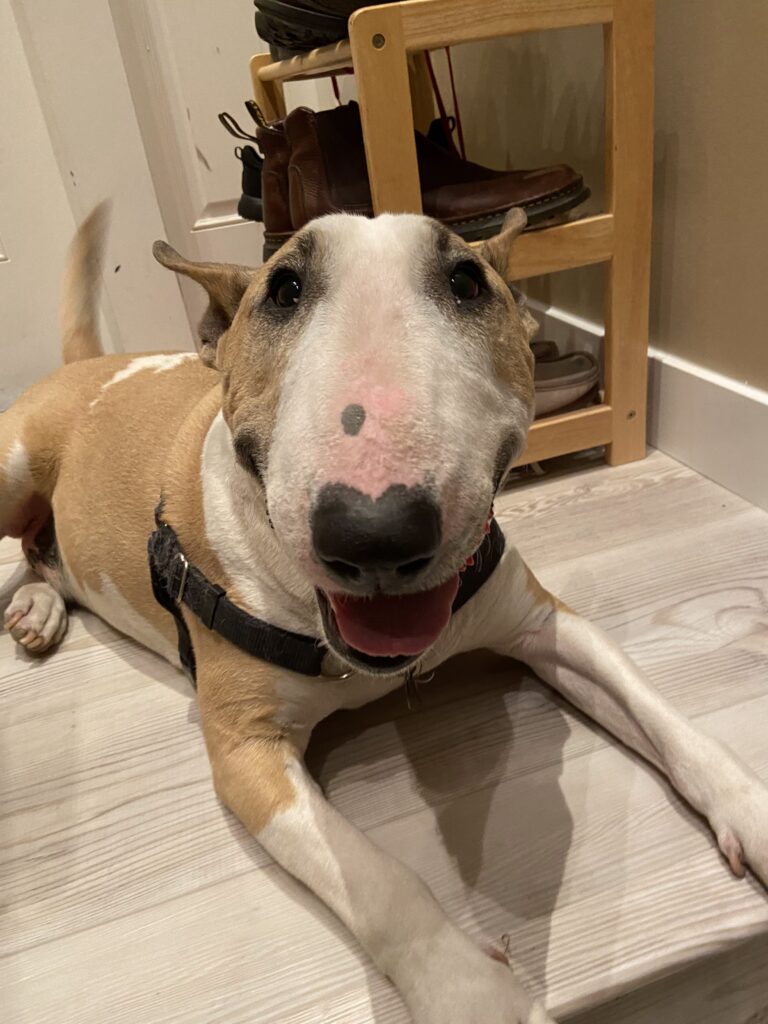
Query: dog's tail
[[79, 315]]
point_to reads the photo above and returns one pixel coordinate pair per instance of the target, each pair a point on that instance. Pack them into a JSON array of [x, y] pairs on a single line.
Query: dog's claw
[[12, 620], [733, 852], [739, 819], [36, 617]]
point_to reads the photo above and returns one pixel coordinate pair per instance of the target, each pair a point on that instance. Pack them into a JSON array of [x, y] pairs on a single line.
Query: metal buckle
[[183, 582]]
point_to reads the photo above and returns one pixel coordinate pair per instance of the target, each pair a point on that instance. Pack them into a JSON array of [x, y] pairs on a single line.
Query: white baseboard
[[712, 423]]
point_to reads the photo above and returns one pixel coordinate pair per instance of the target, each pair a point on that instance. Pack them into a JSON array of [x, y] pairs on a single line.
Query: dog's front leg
[[591, 671], [443, 977]]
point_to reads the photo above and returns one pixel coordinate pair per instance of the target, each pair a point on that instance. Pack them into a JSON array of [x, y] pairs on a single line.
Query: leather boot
[[274, 145], [327, 173]]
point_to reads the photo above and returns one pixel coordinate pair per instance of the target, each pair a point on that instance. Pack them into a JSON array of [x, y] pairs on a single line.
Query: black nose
[[355, 536]]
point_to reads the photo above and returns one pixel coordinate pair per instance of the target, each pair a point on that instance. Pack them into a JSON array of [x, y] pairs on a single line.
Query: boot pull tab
[[234, 128], [256, 113]]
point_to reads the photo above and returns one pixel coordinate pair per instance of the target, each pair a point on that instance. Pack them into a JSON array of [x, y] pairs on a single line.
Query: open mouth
[[387, 632]]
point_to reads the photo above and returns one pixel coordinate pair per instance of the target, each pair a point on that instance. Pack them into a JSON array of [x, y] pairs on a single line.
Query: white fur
[[579, 660], [443, 977], [265, 583], [15, 478], [109, 604], [16, 465], [436, 412], [305, 701], [158, 364], [237, 530]]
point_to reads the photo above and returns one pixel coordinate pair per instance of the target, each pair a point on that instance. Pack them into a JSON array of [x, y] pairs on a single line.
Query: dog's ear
[[225, 284], [530, 324], [496, 249]]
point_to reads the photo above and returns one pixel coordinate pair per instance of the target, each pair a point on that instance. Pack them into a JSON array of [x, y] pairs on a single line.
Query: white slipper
[[562, 381]]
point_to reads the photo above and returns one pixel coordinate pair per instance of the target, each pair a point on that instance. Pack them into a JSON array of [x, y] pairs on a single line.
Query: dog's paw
[[739, 819], [743, 838], [471, 986], [36, 617], [493, 996]]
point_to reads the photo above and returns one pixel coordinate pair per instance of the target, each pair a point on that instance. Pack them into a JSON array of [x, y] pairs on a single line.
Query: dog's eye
[[285, 289], [466, 282]]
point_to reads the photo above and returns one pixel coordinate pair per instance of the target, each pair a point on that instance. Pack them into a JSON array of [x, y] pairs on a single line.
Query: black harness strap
[[175, 582], [486, 558]]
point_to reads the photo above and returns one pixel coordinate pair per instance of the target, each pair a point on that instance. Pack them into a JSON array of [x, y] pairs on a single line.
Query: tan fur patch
[[112, 476], [247, 749], [79, 313], [226, 283], [249, 349], [253, 378], [252, 357], [511, 352], [42, 421]]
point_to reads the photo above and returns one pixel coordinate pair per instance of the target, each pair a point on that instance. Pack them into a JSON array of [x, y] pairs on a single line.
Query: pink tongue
[[388, 626]]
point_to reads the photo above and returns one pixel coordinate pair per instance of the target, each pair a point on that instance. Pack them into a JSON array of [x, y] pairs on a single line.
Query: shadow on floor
[[459, 742]]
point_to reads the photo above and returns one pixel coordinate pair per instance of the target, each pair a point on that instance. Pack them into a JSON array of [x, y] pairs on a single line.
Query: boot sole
[[537, 212], [482, 227]]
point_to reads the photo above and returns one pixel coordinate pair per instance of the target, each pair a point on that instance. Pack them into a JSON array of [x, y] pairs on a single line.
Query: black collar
[[175, 581]]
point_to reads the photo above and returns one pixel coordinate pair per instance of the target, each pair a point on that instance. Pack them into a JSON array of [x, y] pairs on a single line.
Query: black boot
[[250, 206], [295, 26]]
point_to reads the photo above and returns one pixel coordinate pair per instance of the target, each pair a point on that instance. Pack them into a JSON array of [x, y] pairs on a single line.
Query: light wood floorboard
[[130, 896]]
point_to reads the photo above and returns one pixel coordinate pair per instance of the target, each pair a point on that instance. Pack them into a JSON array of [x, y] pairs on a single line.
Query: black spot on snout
[[352, 419]]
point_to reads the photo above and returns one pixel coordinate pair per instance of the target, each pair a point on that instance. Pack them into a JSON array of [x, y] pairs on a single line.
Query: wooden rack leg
[[422, 100], [268, 95], [381, 69], [629, 154]]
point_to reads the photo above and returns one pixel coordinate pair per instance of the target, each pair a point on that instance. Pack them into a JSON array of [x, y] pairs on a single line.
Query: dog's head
[[377, 382]]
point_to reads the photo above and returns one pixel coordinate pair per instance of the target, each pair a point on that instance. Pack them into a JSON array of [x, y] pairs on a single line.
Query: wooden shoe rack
[[382, 38]]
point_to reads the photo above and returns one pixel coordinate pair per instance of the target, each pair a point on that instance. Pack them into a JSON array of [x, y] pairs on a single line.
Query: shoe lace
[[445, 119]]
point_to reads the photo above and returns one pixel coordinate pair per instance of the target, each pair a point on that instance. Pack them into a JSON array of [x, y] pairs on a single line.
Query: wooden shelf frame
[[380, 42]]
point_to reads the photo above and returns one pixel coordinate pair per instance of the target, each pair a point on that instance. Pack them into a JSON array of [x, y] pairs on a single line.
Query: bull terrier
[[310, 502]]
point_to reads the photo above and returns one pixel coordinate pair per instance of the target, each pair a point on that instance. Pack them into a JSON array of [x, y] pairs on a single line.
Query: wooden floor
[[130, 897]]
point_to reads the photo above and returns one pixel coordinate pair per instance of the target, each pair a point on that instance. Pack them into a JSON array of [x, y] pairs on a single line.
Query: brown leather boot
[[327, 173], [276, 150]]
